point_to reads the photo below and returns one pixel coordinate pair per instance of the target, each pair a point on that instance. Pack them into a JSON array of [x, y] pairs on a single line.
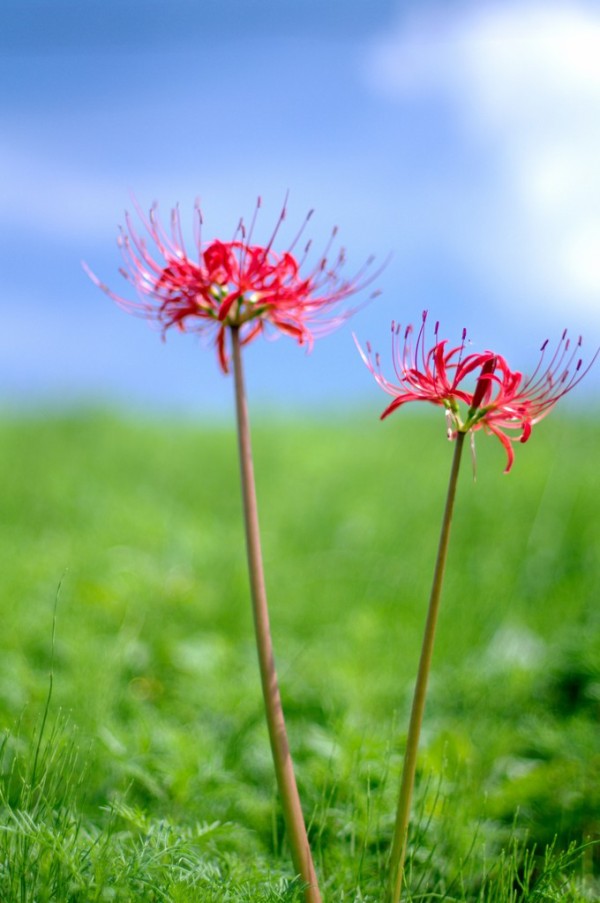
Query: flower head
[[235, 283], [477, 391]]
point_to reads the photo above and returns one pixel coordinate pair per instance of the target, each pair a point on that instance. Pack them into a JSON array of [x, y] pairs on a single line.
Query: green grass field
[[151, 779]]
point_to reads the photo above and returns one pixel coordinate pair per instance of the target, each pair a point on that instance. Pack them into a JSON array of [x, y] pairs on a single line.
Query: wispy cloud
[[40, 194], [522, 80]]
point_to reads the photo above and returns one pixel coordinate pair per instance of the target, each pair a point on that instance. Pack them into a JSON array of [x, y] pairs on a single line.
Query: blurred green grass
[[154, 659]]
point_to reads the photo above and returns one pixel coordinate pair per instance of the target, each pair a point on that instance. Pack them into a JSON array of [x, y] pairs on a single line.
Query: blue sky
[[462, 138]]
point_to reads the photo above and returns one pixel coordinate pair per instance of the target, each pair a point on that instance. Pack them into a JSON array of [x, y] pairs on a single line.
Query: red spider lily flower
[[232, 283], [498, 400]]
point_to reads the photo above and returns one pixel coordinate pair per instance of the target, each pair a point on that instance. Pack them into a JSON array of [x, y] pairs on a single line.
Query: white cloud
[[523, 82], [53, 197]]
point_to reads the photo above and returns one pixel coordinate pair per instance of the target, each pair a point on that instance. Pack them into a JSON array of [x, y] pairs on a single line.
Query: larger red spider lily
[[497, 400], [232, 283], [234, 291]]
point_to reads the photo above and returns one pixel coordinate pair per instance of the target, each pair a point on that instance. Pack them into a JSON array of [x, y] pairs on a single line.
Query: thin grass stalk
[[282, 760], [398, 855]]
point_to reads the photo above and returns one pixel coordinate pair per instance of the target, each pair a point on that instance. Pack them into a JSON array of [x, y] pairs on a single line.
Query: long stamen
[[177, 233], [420, 343], [253, 220], [535, 382], [463, 340], [282, 216], [198, 223], [301, 231], [407, 350]]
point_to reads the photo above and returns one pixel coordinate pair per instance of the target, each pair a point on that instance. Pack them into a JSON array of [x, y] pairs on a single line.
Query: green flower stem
[[284, 771], [398, 855]]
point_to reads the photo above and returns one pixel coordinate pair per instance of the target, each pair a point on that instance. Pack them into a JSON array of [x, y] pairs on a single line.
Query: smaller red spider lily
[[501, 399], [234, 283]]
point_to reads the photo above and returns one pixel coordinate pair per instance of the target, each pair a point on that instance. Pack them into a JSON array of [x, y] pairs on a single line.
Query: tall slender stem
[[398, 855], [284, 770]]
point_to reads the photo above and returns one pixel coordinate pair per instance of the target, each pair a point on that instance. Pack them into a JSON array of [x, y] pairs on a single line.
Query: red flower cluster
[[232, 284], [499, 399]]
